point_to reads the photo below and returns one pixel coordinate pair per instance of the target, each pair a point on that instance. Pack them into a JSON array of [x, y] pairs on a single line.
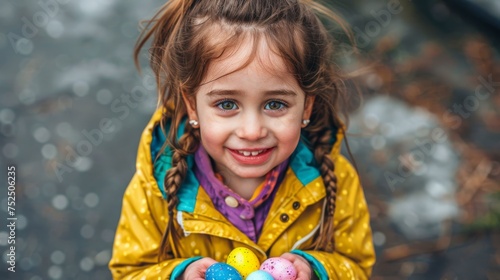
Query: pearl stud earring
[[305, 122], [193, 123]]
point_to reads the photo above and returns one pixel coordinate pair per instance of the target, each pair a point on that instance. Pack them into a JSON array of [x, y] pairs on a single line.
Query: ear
[[190, 107], [308, 107]]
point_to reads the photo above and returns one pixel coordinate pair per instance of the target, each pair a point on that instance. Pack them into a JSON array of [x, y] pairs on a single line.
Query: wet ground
[[426, 139]]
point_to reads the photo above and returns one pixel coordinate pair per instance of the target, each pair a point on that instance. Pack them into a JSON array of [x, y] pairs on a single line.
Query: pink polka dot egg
[[279, 268]]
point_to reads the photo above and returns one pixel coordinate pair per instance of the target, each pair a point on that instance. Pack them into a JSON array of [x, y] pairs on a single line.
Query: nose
[[251, 127]]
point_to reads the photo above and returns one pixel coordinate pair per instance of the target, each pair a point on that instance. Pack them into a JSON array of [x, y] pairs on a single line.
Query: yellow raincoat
[[291, 224]]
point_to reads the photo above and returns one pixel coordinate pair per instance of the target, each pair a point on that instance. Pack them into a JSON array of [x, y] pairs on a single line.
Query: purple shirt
[[244, 216]]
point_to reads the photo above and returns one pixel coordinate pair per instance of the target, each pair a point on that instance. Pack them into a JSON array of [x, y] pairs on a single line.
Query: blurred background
[[426, 136]]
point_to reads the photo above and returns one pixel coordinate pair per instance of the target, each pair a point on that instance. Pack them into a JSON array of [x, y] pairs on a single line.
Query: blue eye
[[275, 105], [227, 105]]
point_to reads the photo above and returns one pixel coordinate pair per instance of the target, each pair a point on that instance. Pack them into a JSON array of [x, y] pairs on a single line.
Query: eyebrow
[[278, 92]]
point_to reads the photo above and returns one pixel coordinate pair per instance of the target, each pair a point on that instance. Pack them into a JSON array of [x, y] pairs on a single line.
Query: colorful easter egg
[[260, 275], [222, 271], [279, 268], [244, 260]]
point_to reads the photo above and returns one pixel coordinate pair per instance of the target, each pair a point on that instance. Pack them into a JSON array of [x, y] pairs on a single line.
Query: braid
[[322, 150], [187, 144]]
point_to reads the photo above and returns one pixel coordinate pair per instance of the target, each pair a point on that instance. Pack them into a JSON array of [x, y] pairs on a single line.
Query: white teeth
[[253, 153]]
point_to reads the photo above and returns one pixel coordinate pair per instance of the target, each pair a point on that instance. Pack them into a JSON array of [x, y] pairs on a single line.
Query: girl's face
[[250, 120]]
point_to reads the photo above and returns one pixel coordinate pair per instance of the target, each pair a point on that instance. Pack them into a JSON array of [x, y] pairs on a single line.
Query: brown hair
[[189, 34]]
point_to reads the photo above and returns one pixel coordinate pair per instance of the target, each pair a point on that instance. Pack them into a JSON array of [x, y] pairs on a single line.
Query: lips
[[252, 156]]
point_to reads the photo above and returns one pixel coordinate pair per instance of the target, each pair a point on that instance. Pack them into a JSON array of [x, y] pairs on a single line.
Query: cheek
[[211, 130], [207, 137], [289, 134], [212, 137]]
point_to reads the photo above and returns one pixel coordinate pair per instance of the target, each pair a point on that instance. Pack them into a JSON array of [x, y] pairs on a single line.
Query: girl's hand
[[196, 270], [304, 270]]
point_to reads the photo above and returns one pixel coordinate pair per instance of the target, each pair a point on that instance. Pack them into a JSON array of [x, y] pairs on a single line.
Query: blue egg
[[260, 275], [222, 271]]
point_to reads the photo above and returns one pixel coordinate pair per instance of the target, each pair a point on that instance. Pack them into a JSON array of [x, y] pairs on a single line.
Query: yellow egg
[[243, 260]]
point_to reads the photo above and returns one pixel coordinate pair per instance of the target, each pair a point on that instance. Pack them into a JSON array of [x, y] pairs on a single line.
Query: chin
[[253, 174]]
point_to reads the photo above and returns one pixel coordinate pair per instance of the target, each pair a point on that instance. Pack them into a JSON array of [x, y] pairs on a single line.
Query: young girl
[[244, 151]]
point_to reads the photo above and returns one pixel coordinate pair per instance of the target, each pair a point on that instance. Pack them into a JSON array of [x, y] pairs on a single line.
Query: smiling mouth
[[252, 156]]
